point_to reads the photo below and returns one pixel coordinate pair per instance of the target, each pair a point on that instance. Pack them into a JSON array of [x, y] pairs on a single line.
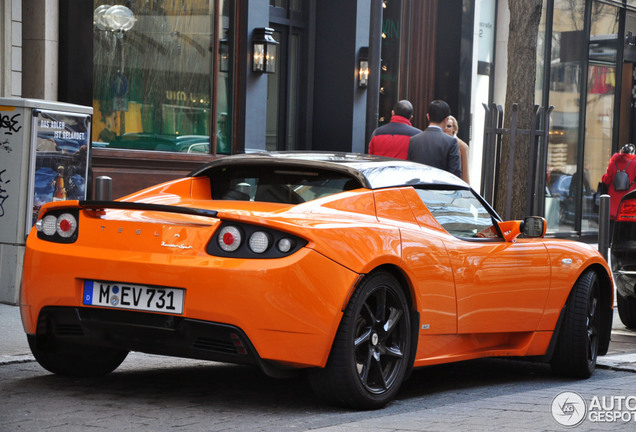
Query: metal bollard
[[103, 188], [604, 225]]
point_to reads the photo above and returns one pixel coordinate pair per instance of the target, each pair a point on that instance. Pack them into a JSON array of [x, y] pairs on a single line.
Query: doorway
[[286, 98]]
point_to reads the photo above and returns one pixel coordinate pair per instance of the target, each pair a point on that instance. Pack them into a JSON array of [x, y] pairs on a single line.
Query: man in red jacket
[[392, 139]]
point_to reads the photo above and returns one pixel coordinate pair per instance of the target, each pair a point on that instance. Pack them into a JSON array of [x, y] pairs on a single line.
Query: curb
[[12, 359], [619, 362]]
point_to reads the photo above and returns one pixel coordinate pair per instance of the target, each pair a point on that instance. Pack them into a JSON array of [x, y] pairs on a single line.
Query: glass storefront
[[590, 79], [390, 68], [154, 86], [599, 118], [565, 94]]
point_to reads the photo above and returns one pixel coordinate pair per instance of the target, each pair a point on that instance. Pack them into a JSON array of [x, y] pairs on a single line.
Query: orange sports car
[[352, 267]]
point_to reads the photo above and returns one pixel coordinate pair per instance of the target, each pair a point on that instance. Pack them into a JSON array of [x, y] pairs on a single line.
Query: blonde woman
[[451, 128]]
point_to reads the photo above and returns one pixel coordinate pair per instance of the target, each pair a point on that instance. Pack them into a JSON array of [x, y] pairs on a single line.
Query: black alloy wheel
[[371, 351], [578, 343]]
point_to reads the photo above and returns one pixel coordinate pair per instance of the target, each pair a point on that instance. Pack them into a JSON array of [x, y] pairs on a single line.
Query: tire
[[578, 341], [627, 310], [75, 360], [371, 352]]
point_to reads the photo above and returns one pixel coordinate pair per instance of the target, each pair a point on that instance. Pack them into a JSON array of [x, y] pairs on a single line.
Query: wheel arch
[[607, 299], [407, 288], [338, 382], [405, 283]]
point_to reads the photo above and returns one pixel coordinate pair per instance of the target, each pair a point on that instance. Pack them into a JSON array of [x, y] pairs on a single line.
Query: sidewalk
[[14, 347]]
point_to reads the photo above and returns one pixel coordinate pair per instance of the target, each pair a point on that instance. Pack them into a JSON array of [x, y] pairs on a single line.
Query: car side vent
[[215, 345], [68, 330]]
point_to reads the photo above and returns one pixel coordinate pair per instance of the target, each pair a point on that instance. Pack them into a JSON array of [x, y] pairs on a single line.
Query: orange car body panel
[[285, 325], [474, 299]]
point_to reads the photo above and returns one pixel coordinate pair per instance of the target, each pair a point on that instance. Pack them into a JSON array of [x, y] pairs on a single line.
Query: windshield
[[460, 212]]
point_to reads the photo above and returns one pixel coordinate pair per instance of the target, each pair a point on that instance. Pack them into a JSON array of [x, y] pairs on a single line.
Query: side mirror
[[533, 227]]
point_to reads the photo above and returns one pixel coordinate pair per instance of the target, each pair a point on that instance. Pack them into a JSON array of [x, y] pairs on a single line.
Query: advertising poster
[[61, 149]]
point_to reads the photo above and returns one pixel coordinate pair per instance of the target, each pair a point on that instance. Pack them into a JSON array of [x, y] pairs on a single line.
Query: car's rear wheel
[[578, 343], [370, 354], [78, 360], [627, 310]]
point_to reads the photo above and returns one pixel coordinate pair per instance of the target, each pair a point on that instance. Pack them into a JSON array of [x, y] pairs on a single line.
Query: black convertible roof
[[374, 172]]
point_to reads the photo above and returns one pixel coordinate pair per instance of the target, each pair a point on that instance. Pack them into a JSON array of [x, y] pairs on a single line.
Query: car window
[[277, 184], [460, 212]]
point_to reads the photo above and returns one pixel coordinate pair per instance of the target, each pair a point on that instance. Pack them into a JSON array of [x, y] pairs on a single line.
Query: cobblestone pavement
[[157, 394], [152, 393]]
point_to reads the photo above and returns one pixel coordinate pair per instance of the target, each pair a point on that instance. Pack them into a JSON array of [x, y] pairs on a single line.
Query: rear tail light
[[66, 225], [48, 225], [230, 238], [238, 240], [627, 211], [259, 242], [58, 226]]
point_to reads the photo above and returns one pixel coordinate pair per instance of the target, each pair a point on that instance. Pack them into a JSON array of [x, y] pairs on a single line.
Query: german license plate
[[138, 297]]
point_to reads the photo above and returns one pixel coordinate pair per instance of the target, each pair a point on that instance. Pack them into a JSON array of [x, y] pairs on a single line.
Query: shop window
[[390, 73], [564, 93], [153, 75], [599, 117]]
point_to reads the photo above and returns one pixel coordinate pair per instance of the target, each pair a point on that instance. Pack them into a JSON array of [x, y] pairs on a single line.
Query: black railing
[[537, 163]]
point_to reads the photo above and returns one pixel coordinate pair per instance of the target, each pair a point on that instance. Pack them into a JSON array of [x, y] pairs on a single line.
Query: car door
[[500, 286]]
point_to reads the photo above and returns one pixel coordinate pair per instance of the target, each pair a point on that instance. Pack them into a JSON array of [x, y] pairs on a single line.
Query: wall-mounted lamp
[[264, 48], [363, 67]]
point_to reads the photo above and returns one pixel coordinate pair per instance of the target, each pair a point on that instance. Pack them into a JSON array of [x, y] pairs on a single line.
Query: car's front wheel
[[69, 359], [578, 344], [370, 354]]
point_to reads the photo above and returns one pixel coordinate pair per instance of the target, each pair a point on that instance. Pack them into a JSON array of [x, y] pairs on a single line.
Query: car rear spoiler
[[127, 205]]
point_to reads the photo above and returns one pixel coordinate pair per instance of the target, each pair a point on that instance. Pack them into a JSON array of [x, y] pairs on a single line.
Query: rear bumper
[[147, 332], [286, 310]]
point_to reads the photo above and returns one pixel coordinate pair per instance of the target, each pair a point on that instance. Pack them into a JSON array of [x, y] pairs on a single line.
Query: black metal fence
[[537, 164]]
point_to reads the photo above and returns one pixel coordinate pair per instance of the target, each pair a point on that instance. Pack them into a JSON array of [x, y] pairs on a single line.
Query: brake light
[[66, 225], [627, 211], [230, 238], [58, 227]]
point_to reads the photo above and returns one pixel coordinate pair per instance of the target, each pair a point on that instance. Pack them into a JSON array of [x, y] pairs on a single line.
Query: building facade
[[585, 69], [175, 83]]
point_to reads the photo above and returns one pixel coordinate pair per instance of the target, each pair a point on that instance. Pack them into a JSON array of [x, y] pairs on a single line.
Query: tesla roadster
[[351, 267]]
